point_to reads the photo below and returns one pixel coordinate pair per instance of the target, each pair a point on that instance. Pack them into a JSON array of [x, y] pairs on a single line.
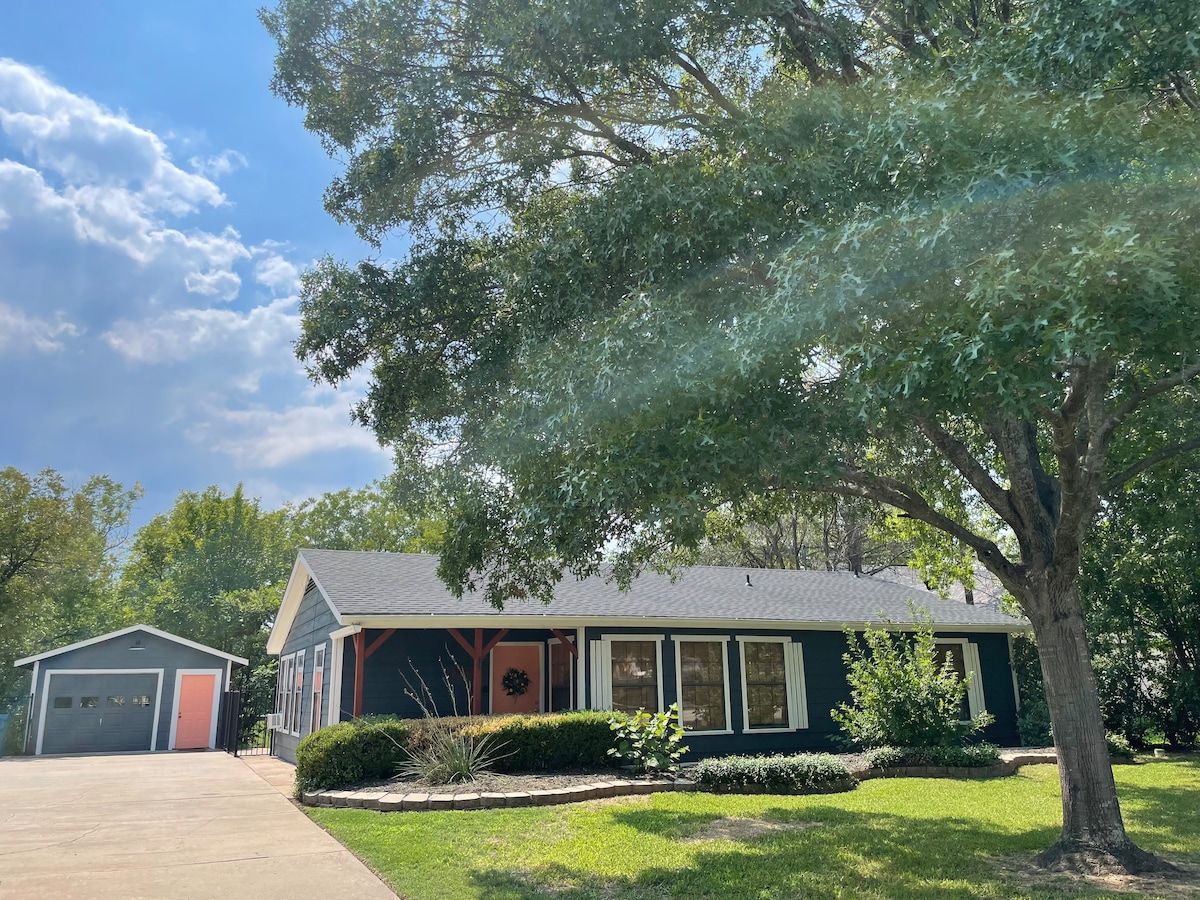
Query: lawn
[[898, 838]]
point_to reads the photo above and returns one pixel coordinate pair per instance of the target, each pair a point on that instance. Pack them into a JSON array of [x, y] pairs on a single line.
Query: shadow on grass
[[848, 854]]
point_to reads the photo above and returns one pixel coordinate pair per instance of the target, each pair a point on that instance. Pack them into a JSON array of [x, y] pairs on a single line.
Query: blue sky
[[157, 203]]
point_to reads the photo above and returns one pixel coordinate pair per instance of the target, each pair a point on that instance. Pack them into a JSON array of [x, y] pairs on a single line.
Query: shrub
[[451, 758], [900, 695], [1118, 746], [651, 742], [350, 752], [810, 772], [969, 757], [523, 743]]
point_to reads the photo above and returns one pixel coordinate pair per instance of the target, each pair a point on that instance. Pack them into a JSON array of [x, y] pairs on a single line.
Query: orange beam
[[360, 657], [494, 641], [462, 641], [379, 642], [569, 644]]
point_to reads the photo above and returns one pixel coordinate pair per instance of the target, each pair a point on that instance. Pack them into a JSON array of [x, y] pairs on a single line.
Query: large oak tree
[[667, 259]]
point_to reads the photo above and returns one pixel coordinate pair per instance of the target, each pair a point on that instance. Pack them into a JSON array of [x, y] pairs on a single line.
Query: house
[[753, 657], [138, 688]]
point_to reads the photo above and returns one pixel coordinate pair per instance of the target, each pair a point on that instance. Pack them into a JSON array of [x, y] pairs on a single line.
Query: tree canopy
[[943, 259]]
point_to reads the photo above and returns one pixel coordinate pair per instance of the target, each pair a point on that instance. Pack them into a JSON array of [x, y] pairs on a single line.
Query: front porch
[[456, 671]]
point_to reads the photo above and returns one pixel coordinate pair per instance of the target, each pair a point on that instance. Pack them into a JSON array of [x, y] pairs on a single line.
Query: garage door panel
[[99, 713]]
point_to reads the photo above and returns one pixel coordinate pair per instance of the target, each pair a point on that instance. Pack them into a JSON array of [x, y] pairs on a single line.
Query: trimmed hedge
[[803, 772], [529, 743], [969, 757], [350, 752]]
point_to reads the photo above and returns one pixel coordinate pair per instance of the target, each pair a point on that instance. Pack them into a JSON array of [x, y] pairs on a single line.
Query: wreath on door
[[515, 682]]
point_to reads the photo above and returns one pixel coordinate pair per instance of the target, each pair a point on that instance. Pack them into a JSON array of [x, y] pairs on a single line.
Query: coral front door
[[517, 678], [194, 719]]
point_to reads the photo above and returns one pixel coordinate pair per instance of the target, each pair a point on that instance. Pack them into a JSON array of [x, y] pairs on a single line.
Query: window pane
[[116, 701], [766, 684], [62, 702], [89, 702], [631, 699], [140, 700], [702, 677]]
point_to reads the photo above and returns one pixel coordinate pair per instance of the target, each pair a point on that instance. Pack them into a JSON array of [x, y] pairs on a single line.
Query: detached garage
[[134, 689]]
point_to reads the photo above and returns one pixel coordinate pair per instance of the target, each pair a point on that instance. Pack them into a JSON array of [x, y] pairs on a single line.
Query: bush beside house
[[801, 773]]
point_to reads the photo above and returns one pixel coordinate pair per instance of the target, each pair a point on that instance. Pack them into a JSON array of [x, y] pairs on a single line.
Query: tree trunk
[[1093, 836]]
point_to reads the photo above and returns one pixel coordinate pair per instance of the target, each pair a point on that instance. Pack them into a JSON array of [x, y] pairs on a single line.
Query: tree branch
[[977, 476], [1148, 461]]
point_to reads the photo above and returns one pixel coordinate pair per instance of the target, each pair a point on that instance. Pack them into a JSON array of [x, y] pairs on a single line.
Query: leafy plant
[[792, 774], [968, 757], [651, 742], [901, 695], [1118, 746]]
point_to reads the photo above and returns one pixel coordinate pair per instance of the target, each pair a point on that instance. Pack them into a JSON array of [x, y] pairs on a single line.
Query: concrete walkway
[[164, 825]]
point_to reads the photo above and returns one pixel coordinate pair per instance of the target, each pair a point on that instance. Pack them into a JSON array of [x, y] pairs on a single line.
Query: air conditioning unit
[[275, 721]]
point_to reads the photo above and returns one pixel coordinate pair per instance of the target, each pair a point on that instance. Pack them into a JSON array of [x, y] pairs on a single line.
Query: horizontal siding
[[159, 653], [312, 626]]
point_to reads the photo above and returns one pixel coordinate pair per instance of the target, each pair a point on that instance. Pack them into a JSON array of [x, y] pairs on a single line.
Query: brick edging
[[390, 801]]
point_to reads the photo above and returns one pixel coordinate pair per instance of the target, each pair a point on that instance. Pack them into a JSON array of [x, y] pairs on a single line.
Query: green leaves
[[650, 742]]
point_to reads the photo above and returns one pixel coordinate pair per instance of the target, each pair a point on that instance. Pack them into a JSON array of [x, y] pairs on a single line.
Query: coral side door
[[513, 659], [194, 724]]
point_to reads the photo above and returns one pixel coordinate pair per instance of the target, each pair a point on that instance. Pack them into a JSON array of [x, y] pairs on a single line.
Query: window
[[283, 693], [140, 700], [62, 702], [626, 673], [116, 702], [318, 688], [964, 656], [773, 694], [89, 702], [703, 685], [297, 693]]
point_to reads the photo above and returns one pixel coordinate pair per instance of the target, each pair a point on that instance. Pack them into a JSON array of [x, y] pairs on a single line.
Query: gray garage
[[134, 689]]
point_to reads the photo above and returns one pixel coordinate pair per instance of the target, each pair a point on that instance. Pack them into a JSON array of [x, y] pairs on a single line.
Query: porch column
[[360, 659]]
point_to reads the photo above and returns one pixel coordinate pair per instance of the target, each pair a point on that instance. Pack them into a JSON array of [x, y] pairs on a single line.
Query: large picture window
[[703, 684], [635, 676], [773, 694]]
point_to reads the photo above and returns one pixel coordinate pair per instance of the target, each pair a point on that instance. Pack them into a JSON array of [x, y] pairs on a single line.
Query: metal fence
[[242, 737]]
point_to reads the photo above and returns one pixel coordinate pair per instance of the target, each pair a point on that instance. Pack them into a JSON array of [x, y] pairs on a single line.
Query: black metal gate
[[238, 737]]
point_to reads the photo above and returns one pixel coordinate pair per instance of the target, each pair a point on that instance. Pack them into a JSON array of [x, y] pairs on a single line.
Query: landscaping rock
[[441, 802], [467, 801], [416, 801], [491, 800], [518, 798]]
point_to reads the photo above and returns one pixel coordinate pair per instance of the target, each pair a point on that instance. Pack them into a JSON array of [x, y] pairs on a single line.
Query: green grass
[[890, 838]]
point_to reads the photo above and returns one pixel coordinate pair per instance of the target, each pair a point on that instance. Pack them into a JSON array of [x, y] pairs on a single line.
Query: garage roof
[[130, 630]]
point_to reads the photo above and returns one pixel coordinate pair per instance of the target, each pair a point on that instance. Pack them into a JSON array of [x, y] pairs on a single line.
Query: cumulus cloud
[[268, 438], [215, 166], [276, 273], [185, 333], [109, 181], [20, 332]]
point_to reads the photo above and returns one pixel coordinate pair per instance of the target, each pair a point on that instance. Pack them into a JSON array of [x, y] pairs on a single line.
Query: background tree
[[963, 290], [1142, 588], [397, 514]]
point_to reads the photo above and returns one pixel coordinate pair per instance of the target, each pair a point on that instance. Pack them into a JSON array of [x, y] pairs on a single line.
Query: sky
[[157, 205]]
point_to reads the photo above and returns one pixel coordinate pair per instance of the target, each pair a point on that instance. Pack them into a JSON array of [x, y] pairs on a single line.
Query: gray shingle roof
[[406, 584]]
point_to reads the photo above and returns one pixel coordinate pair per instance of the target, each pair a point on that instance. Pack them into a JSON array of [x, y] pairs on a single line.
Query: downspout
[[29, 713]]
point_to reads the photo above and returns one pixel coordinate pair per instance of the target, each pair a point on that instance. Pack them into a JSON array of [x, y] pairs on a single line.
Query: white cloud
[[19, 331], [215, 166], [181, 334], [276, 273], [266, 438], [111, 182]]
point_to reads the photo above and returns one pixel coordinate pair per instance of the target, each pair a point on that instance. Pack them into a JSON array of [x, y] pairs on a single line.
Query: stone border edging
[[390, 801]]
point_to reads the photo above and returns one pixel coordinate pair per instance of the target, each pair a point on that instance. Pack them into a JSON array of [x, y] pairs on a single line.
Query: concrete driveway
[[163, 825]]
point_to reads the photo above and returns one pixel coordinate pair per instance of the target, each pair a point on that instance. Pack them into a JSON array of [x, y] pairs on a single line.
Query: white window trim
[[334, 707], [283, 689], [602, 666], [494, 682], [793, 677], [723, 640], [216, 704], [297, 697], [975, 703], [50, 673], [317, 693]]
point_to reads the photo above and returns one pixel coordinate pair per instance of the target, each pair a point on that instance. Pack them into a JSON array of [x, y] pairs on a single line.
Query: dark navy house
[[752, 657]]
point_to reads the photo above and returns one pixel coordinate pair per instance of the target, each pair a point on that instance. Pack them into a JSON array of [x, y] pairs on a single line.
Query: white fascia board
[[147, 629], [550, 620], [293, 596]]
